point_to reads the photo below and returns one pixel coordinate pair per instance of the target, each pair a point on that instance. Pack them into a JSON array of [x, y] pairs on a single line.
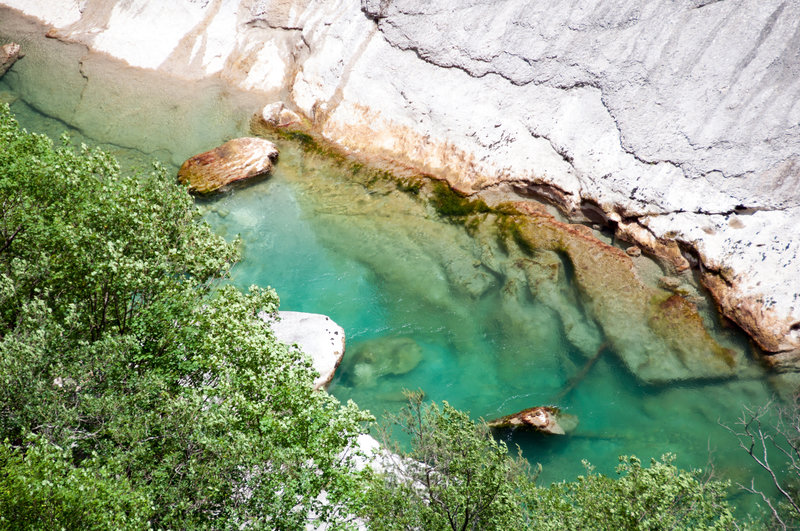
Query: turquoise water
[[384, 266], [425, 303]]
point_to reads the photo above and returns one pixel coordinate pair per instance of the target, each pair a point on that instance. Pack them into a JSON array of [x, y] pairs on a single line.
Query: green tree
[[121, 345], [770, 435], [657, 497], [456, 476], [43, 490]]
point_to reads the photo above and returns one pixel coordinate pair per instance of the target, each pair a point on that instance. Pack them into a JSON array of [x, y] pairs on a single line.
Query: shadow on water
[[461, 312]]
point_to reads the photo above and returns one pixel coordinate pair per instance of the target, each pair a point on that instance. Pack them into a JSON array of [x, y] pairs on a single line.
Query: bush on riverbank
[[456, 476], [136, 389]]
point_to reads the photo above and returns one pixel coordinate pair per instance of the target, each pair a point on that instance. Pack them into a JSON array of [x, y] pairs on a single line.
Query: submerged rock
[[235, 160], [316, 335], [9, 53], [633, 251], [376, 358], [544, 271], [659, 336], [545, 419], [669, 283], [7, 97]]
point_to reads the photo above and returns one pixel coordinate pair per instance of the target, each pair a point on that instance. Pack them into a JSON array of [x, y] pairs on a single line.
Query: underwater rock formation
[[235, 160], [669, 343], [373, 359]]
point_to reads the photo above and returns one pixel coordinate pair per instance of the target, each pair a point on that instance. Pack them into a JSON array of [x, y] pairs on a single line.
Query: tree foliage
[[456, 475], [770, 435], [656, 497], [41, 489], [128, 372]]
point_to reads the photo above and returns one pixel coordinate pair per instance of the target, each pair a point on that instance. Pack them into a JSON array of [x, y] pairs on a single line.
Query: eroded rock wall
[[678, 120]]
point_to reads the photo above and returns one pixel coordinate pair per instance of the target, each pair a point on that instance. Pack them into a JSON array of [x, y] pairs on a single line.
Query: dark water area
[[425, 303]]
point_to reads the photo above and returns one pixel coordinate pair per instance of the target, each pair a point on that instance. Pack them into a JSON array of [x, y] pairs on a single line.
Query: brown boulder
[[633, 251], [9, 53], [545, 419], [235, 160]]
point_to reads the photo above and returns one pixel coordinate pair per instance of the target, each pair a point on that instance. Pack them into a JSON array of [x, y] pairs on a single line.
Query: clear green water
[[451, 311]]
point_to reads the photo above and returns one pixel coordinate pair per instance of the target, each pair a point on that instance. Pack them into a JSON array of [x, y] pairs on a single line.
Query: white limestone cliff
[[678, 120]]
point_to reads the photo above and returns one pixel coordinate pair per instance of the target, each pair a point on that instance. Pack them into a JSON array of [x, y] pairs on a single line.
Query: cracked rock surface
[[678, 120]]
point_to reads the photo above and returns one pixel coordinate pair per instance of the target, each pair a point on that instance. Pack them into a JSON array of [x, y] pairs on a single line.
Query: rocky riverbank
[[675, 123]]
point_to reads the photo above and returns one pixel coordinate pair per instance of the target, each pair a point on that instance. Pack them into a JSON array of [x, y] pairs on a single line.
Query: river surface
[[425, 303]]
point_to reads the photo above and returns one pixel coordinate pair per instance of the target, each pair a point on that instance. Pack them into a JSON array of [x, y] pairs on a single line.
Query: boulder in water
[[235, 160], [544, 419], [316, 335], [9, 53]]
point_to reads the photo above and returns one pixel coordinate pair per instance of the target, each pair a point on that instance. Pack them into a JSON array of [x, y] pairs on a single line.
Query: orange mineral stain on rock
[[769, 330], [660, 337], [235, 160], [366, 131]]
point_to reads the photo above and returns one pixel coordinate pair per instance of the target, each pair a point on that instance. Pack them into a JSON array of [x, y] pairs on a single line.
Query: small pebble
[[633, 251], [669, 282]]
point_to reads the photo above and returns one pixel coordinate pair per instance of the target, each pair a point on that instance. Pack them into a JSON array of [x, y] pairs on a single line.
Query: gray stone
[[670, 283]]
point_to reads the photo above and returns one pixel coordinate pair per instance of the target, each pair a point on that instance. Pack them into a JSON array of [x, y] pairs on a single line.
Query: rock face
[[316, 335], [9, 53], [235, 160], [670, 344], [674, 121]]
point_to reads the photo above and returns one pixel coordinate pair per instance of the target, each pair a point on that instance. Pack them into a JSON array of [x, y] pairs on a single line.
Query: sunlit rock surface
[[9, 53], [544, 419], [316, 335], [676, 120], [235, 160]]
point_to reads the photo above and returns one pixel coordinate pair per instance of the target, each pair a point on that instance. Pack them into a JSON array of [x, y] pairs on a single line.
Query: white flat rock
[[316, 335]]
